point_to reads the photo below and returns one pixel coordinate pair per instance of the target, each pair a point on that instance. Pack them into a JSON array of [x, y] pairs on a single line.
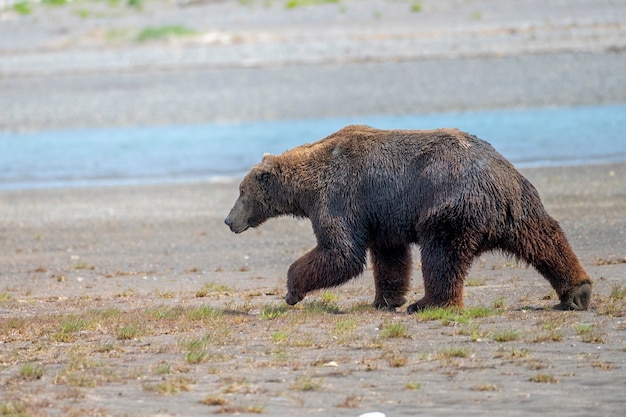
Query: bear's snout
[[235, 225]]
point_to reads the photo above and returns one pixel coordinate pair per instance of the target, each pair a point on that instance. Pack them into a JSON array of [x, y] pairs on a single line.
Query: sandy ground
[[138, 301], [147, 258]]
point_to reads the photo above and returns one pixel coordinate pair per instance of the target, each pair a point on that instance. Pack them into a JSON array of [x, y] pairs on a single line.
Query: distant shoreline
[[542, 137]]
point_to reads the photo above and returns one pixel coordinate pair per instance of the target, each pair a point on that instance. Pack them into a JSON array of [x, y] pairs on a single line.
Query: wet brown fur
[[444, 190]]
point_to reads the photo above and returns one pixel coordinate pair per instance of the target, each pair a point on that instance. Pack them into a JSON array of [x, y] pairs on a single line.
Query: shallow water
[[527, 137]]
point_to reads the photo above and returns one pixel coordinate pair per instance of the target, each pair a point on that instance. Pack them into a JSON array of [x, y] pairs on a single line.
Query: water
[[527, 137]]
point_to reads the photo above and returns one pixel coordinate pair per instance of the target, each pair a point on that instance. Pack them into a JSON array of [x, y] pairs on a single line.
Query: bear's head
[[260, 197]]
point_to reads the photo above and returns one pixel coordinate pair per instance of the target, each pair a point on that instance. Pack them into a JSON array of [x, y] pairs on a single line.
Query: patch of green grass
[[246, 409], [197, 349], [587, 333], [514, 353], [105, 348], [618, 292], [5, 298], [449, 315], [156, 33], [553, 335], [211, 288], [68, 329], [204, 313], [396, 359], [306, 340], [453, 352], [271, 312], [165, 294], [306, 383], [163, 368], [292, 4], [280, 336], [544, 379], [437, 313], [170, 386], [214, 400], [23, 8], [198, 343], [136, 4], [416, 7], [164, 313], [321, 307], [506, 335], [475, 282], [394, 330], [477, 312], [116, 35], [476, 16], [126, 293], [412, 386], [329, 297], [128, 332], [107, 314], [54, 2], [583, 328], [485, 387], [498, 303], [196, 356], [32, 370], [344, 327], [362, 308], [84, 266], [474, 331]]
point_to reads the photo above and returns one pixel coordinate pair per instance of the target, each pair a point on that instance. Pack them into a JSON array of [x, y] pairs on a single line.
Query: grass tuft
[[157, 33], [618, 292], [453, 352], [506, 335], [31, 371], [452, 315], [128, 332], [292, 4], [587, 333], [271, 312], [394, 330], [322, 307], [306, 383], [412, 386], [544, 379]]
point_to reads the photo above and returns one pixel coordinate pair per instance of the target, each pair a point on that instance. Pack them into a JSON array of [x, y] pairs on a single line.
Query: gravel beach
[[138, 300]]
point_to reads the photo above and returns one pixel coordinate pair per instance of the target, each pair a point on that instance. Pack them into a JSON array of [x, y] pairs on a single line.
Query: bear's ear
[[263, 177], [266, 157]]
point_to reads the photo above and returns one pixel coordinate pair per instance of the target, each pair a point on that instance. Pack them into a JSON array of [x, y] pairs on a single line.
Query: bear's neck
[[301, 186]]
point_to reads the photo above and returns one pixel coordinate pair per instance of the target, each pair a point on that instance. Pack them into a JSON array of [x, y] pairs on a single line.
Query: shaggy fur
[[444, 190]]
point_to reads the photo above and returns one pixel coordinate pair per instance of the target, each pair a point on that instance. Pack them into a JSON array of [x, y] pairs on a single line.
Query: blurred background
[[146, 91]]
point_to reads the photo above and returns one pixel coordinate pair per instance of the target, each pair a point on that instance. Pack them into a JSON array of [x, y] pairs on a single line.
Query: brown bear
[[447, 191]]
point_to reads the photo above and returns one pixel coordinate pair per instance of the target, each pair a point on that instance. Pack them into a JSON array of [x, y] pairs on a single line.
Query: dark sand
[[102, 289]]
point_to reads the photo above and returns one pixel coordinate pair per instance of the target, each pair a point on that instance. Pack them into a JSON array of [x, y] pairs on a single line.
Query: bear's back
[[401, 179]]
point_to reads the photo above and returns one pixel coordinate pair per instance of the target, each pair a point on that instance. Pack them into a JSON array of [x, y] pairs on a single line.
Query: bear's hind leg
[[392, 275], [444, 268], [543, 244]]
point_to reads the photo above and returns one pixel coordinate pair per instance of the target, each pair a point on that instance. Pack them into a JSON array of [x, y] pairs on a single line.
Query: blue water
[[527, 137]]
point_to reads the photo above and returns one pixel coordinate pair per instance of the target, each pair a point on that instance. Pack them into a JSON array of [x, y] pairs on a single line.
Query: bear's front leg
[[392, 275], [444, 267], [321, 268]]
